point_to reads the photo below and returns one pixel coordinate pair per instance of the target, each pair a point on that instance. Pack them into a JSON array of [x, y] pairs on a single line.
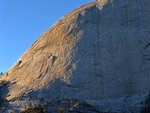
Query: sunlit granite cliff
[[99, 51]]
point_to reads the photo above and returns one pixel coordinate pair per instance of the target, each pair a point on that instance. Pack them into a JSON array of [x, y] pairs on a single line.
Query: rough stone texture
[[98, 51]]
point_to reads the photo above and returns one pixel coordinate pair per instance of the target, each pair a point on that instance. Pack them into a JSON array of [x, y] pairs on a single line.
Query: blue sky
[[23, 21]]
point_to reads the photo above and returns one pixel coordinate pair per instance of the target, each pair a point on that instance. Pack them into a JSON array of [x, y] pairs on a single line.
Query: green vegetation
[[3, 83], [45, 110], [61, 110], [77, 104], [92, 103], [60, 106], [29, 105], [34, 108]]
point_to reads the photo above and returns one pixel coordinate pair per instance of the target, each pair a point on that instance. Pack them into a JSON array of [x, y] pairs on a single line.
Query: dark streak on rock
[[40, 76], [54, 59], [46, 71], [147, 45]]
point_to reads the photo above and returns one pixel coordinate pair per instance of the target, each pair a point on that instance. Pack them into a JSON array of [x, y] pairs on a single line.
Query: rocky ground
[[133, 104]]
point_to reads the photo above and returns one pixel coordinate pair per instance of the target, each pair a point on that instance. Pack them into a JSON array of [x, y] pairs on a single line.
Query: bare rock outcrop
[[98, 51]]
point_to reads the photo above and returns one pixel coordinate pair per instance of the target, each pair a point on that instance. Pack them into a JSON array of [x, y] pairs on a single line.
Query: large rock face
[[100, 50]]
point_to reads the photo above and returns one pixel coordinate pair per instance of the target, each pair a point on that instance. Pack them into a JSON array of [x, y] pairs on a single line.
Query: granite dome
[[98, 51]]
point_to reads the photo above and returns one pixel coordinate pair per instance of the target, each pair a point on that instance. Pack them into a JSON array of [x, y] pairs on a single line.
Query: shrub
[[77, 104], [30, 105], [4, 83], [33, 110], [92, 103], [39, 105], [45, 110], [61, 110]]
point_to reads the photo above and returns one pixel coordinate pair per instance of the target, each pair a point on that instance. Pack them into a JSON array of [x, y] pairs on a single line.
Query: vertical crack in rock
[[129, 71], [42, 67], [40, 76], [96, 55], [54, 59], [139, 18], [46, 71]]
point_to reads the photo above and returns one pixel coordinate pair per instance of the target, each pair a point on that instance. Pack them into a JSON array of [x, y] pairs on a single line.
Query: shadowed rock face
[[100, 50]]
